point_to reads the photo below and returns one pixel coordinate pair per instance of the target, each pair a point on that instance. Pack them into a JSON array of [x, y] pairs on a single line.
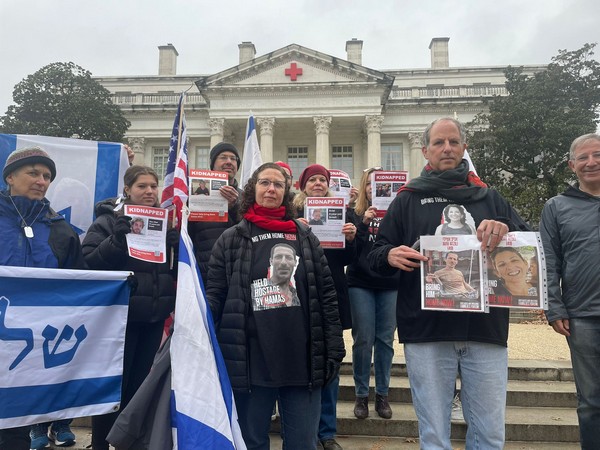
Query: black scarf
[[458, 185]]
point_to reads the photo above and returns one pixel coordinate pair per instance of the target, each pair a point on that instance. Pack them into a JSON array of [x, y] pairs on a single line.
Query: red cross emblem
[[293, 72]]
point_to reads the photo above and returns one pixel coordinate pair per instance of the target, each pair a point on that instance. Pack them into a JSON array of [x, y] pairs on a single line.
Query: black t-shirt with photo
[[278, 325]]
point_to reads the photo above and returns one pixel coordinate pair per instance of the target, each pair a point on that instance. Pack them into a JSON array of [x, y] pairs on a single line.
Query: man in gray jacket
[[570, 230]]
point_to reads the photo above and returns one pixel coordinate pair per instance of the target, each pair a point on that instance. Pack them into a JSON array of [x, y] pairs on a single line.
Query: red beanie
[[284, 166], [313, 169]]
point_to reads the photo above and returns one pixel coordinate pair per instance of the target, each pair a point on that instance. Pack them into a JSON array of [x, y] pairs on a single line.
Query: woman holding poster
[[273, 302], [314, 182], [373, 305], [153, 299]]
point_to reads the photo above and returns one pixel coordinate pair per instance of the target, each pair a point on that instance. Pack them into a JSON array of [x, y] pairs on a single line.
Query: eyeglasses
[[373, 168], [264, 183], [583, 158], [227, 158]]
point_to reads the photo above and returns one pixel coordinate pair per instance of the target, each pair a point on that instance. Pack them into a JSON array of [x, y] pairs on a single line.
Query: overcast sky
[[120, 37]]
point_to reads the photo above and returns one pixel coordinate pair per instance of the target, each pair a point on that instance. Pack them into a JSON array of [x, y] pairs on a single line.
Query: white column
[[322, 124], [373, 125], [266, 125], [137, 145], [217, 127], [417, 161]]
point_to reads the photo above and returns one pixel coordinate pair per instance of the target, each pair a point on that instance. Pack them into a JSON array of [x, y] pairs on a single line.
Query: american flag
[[175, 190]]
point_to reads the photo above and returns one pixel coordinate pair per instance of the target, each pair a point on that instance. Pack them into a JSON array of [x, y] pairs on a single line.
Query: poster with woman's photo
[[326, 216], [517, 273], [453, 277], [384, 187], [147, 239], [205, 201]]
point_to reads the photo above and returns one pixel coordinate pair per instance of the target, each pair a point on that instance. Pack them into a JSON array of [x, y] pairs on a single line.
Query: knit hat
[[313, 169], [284, 166], [28, 156], [220, 148]]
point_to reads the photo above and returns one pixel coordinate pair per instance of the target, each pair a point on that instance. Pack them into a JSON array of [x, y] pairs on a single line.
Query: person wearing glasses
[[569, 229], [225, 158], [314, 182], [373, 306], [274, 349], [439, 344]]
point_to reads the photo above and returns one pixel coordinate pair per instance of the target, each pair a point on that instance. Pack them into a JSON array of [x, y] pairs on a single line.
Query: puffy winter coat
[[154, 298], [229, 296], [54, 243]]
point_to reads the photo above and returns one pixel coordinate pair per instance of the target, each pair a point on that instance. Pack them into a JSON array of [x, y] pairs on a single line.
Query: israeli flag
[[251, 158], [86, 173], [203, 411], [61, 343]]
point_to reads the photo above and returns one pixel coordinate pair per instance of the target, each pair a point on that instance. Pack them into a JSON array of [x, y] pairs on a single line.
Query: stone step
[[522, 424], [525, 370], [519, 393], [357, 442]]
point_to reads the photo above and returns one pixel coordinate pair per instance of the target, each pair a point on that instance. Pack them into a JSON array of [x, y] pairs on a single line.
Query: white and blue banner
[[203, 411], [251, 158], [86, 173], [62, 334]]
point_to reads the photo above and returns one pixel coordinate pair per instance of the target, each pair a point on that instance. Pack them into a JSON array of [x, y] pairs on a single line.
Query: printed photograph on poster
[[199, 187], [148, 233], [384, 187], [326, 216], [517, 273], [453, 278], [340, 184], [205, 201], [278, 290]]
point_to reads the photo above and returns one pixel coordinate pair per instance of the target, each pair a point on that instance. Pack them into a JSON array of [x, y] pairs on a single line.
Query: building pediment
[[294, 68]]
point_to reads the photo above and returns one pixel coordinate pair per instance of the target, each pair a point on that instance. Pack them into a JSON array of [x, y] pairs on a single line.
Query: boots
[[382, 407], [361, 407]]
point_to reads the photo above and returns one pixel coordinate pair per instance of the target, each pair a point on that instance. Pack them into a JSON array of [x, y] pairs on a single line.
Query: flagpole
[[178, 153]]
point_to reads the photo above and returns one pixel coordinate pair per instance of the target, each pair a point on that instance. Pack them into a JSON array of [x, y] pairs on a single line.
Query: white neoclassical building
[[310, 107]]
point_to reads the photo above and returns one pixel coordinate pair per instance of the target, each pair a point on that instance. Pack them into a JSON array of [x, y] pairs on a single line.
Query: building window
[[391, 156], [160, 158], [342, 158], [202, 159], [297, 159]]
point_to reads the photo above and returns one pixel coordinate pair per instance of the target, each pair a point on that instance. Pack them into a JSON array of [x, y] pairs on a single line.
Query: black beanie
[[220, 148]]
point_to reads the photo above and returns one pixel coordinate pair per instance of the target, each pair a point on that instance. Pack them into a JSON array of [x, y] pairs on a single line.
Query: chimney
[[247, 52], [167, 60], [354, 51], [439, 53]]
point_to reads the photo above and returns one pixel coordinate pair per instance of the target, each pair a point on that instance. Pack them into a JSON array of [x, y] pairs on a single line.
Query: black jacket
[[570, 232], [359, 274], [154, 298], [228, 293], [411, 215]]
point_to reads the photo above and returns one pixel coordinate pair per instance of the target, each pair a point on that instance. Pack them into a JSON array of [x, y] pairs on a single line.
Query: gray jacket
[[570, 231]]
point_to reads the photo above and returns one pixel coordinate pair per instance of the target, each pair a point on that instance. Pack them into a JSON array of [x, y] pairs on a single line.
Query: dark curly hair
[[249, 194]]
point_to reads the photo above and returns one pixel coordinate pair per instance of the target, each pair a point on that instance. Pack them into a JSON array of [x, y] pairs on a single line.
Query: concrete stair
[[540, 413]]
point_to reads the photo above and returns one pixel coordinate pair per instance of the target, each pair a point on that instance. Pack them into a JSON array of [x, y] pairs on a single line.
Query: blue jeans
[[299, 410], [373, 326], [432, 368], [584, 344], [328, 420]]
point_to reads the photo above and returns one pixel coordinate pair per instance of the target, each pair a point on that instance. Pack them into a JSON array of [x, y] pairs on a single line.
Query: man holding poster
[[439, 344]]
